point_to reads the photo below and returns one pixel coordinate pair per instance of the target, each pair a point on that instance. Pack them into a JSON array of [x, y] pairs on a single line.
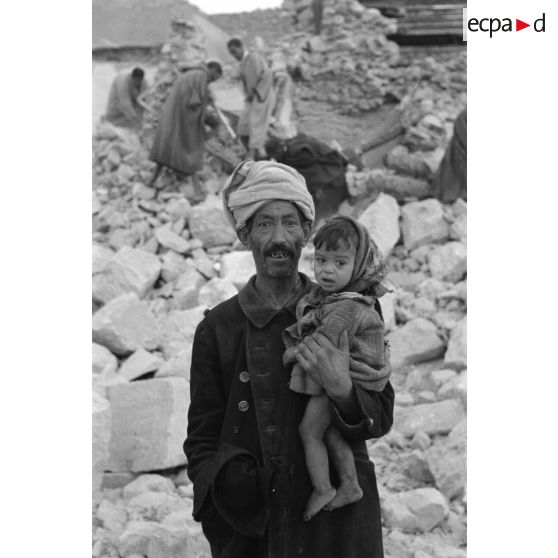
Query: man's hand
[[327, 365]]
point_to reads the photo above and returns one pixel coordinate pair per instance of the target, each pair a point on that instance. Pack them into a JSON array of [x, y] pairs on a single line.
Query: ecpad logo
[[493, 25]]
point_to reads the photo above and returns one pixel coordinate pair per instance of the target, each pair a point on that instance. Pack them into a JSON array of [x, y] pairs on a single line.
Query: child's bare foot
[[345, 494], [317, 501]]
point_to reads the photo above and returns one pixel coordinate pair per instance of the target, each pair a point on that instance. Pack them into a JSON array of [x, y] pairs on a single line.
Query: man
[[123, 108], [260, 98], [180, 137], [244, 454], [450, 180], [282, 125], [322, 166], [317, 12]]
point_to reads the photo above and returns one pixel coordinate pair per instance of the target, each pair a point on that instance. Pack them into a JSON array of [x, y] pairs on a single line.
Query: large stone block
[[430, 418], [102, 418], [416, 341], [403, 162], [161, 540], [126, 324], [456, 355], [209, 224], [129, 271], [448, 462], [104, 362], [423, 222], [169, 239], [418, 510], [381, 219], [173, 265], [215, 291], [238, 267], [139, 363], [178, 365], [148, 483], [113, 516], [149, 421], [448, 262], [456, 388], [178, 330], [101, 257], [154, 506]]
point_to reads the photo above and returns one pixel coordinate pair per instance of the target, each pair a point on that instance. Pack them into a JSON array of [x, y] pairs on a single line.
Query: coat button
[[243, 406], [244, 377]]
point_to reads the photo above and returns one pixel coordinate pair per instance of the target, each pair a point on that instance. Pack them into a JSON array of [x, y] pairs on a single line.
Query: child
[[348, 269]]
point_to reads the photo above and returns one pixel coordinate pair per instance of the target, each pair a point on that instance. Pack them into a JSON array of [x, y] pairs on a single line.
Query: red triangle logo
[[519, 25]]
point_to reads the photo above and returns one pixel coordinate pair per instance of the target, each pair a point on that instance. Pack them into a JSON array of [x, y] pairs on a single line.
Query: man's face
[[276, 238], [236, 51]]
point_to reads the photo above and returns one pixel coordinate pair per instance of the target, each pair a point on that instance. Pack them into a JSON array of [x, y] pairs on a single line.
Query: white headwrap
[[255, 183]]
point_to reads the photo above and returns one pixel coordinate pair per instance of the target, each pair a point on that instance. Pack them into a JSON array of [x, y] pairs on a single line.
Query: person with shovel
[[180, 138]]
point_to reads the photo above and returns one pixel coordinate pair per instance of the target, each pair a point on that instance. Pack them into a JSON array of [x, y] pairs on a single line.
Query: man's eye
[[263, 225], [341, 264]]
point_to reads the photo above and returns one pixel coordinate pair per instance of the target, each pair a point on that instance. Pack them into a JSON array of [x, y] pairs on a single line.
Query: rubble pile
[[160, 259], [160, 262], [346, 64], [353, 66], [407, 169]]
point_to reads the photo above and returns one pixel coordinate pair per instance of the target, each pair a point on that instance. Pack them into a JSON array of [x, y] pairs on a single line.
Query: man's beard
[[278, 260]]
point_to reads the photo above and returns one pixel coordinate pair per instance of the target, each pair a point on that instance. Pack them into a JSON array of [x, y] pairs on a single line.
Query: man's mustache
[[278, 247]]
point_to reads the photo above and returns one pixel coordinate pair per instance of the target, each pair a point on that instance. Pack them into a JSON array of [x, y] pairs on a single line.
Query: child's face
[[333, 268]]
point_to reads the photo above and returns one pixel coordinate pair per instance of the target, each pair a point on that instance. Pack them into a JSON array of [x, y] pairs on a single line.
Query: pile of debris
[[422, 131], [159, 262], [352, 65], [346, 64]]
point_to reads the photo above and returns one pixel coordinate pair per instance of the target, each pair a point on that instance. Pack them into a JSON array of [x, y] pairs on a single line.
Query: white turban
[[255, 183]]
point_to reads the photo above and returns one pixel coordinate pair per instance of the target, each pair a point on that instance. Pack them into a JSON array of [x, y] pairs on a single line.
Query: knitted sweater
[[332, 314]]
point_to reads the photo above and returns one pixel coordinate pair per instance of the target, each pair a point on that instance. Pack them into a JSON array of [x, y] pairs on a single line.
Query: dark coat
[[450, 180], [180, 137], [242, 409]]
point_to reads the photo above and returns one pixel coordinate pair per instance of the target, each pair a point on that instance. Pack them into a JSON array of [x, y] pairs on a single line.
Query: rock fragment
[[381, 219], [431, 418], [417, 341], [423, 222], [125, 324], [149, 420], [418, 510]]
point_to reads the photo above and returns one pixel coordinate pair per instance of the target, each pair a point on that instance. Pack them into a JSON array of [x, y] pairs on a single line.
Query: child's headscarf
[[370, 268]]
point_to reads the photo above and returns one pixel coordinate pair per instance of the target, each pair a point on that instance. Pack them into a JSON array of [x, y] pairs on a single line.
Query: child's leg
[[344, 462], [312, 428]]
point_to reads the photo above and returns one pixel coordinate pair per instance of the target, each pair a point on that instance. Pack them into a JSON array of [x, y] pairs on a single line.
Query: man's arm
[[226, 478], [358, 413], [205, 415]]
